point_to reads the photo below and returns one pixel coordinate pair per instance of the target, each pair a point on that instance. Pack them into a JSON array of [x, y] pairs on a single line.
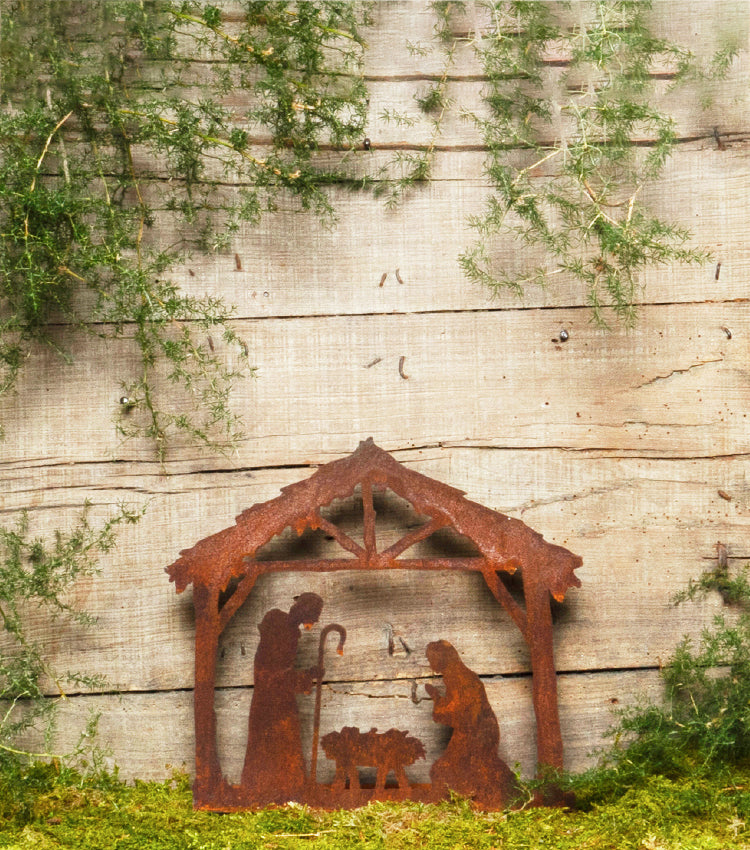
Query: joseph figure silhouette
[[274, 764]]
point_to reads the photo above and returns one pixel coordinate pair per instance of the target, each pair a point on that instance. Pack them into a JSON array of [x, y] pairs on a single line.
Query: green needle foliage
[[407, 168], [37, 576], [121, 151], [705, 719], [564, 154]]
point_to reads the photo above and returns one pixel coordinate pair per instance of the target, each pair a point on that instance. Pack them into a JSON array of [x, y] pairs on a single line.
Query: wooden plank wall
[[629, 447]]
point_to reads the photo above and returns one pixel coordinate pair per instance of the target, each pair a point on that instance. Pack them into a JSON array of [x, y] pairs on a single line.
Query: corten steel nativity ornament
[[223, 570]]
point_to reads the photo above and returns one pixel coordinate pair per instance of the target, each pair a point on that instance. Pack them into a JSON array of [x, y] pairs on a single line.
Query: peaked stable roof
[[505, 543]]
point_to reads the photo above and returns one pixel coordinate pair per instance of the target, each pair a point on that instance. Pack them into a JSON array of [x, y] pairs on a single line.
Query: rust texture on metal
[[388, 752], [223, 570]]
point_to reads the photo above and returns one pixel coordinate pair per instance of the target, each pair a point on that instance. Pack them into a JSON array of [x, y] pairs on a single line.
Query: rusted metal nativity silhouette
[[223, 569]]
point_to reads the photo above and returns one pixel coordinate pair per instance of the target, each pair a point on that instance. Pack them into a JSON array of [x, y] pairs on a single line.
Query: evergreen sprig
[[110, 138], [36, 574], [705, 717], [407, 168], [572, 191]]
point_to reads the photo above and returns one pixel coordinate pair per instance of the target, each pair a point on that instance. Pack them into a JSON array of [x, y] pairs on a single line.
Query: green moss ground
[[707, 812]]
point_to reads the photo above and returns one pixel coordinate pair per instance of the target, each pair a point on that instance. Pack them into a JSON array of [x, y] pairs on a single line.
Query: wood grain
[[629, 447], [643, 526], [704, 26], [292, 266], [672, 387], [151, 735]]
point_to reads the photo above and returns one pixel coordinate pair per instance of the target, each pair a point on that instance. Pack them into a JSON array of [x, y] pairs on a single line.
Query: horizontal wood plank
[[377, 260], [405, 260], [395, 120], [703, 26], [403, 58], [673, 386], [643, 527], [150, 735]]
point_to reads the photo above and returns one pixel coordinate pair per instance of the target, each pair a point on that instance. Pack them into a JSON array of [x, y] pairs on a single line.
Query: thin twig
[[538, 163], [631, 204], [46, 148], [220, 33], [26, 753], [299, 834], [215, 140], [66, 172]]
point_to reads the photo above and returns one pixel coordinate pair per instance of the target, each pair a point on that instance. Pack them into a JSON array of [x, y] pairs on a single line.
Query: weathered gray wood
[[317, 272], [628, 447], [475, 378], [150, 735], [341, 269], [726, 110], [394, 118], [396, 72], [702, 26]]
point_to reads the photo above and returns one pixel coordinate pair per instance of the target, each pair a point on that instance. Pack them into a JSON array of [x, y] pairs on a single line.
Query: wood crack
[[349, 687], [147, 468], [573, 497], [674, 372]]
